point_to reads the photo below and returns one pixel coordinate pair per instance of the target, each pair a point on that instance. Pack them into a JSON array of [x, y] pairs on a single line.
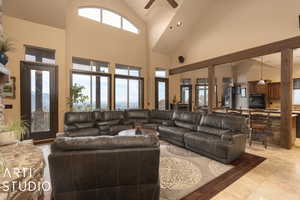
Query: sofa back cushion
[[105, 142], [213, 121], [113, 115], [98, 116], [236, 123], [137, 114], [187, 120], [73, 118], [161, 115]]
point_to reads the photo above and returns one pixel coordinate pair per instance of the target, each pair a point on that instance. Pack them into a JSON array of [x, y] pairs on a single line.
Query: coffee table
[[144, 131]]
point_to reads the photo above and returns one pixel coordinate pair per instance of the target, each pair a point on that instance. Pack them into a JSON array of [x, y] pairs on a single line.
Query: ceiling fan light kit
[[173, 3]]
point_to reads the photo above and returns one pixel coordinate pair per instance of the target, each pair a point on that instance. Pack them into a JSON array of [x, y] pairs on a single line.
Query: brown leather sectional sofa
[[104, 170]]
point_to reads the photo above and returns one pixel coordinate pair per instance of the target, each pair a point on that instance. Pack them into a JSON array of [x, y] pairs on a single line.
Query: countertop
[[273, 113]]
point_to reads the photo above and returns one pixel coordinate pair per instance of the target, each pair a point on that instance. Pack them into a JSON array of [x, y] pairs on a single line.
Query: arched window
[[108, 17]]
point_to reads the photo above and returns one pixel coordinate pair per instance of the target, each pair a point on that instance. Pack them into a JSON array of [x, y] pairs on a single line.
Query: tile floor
[[277, 178]]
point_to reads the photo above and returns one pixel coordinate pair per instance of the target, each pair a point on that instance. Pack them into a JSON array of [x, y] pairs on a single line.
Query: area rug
[[182, 171], [185, 175]]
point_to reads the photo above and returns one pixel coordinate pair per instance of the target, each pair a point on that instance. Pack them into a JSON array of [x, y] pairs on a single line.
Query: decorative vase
[[3, 58], [7, 138]]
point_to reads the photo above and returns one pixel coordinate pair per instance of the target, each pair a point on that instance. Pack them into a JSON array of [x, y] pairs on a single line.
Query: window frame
[[166, 81], [128, 68], [114, 12], [160, 69], [38, 57], [205, 94], [141, 79], [97, 75]]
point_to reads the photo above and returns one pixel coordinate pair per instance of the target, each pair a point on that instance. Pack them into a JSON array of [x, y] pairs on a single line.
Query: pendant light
[[261, 81]]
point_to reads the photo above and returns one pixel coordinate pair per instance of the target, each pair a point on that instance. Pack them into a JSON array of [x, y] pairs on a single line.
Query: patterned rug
[[182, 171]]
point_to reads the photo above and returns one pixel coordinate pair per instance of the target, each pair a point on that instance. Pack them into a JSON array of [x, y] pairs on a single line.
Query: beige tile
[[276, 178]]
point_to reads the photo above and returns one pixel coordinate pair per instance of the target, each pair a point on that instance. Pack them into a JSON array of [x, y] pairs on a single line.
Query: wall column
[[211, 88], [287, 133]]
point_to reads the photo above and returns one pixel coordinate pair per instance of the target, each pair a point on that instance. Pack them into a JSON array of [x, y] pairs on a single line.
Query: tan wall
[[92, 40], [23, 32], [82, 38]]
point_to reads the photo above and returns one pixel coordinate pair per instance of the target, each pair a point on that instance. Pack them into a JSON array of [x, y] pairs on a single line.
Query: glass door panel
[[121, 94], [186, 95], [39, 99], [161, 94], [104, 93], [134, 96]]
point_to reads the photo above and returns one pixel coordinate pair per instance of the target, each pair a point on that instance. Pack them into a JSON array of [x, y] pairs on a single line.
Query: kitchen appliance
[[229, 100], [257, 101]]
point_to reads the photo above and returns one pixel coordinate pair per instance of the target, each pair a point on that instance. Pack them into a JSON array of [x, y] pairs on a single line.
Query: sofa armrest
[[234, 137]]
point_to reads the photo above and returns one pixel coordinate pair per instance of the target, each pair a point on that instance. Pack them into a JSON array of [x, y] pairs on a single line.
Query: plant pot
[[7, 138], [3, 58]]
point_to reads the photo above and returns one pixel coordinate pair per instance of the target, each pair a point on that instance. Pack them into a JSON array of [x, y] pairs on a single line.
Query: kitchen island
[[275, 118]]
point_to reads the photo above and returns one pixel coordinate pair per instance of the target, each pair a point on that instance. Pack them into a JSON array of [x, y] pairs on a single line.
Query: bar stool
[[259, 125]]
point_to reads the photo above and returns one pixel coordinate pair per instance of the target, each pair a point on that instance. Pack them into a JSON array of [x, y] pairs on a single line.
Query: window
[[127, 70], [296, 91], [202, 92], [111, 18], [128, 26], [90, 65], [108, 17], [37, 54], [128, 88], [92, 77], [90, 13], [161, 73]]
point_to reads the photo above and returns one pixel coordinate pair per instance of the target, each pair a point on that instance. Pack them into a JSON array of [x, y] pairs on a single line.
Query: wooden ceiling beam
[[267, 49]]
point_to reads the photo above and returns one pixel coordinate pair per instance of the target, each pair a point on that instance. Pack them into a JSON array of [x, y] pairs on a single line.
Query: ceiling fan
[[173, 3]]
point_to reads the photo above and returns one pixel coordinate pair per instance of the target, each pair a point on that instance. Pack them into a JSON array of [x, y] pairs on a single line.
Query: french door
[[39, 99], [161, 94], [186, 95]]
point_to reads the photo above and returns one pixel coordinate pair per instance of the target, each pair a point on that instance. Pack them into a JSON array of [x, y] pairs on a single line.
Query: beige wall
[[23, 32], [82, 38]]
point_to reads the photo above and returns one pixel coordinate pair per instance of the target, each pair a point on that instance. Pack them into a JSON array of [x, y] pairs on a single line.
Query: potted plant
[[5, 46], [77, 101], [13, 132]]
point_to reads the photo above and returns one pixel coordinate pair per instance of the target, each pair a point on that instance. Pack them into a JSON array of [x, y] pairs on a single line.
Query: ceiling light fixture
[[261, 81], [179, 24]]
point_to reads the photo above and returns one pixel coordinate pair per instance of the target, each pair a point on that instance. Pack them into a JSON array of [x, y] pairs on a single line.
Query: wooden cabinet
[[274, 91], [253, 88]]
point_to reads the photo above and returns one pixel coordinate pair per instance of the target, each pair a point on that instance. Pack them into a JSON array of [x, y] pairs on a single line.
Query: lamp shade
[[261, 82]]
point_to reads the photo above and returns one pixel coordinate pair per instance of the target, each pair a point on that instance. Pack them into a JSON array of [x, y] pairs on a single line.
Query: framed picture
[[9, 88], [243, 92]]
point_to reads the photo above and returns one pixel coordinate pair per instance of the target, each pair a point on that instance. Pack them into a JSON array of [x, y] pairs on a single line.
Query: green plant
[[77, 99], [2, 165], [5, 45], [19, 127]]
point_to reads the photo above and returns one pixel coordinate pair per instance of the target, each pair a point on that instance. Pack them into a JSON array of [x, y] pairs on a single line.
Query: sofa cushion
[[208, 143], [85, 125], [83, 132], [98, 115], [161, 115], [187, 120], [78, 117], [108, 123], [113, 115], [211, 130], [137, 114], [106, 142], [212, 120], [236, 123], [175, 133]]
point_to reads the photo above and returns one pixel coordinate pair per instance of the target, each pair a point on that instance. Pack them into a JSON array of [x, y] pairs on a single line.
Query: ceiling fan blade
[[173, 3], [149, 4]]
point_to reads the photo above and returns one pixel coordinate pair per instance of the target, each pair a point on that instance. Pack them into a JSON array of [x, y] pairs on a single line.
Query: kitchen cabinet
[[253, 88], [274, 91]]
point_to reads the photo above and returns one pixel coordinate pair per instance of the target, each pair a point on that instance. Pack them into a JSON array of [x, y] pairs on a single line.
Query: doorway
[[186, 95], [39, 99], [161, 94]]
